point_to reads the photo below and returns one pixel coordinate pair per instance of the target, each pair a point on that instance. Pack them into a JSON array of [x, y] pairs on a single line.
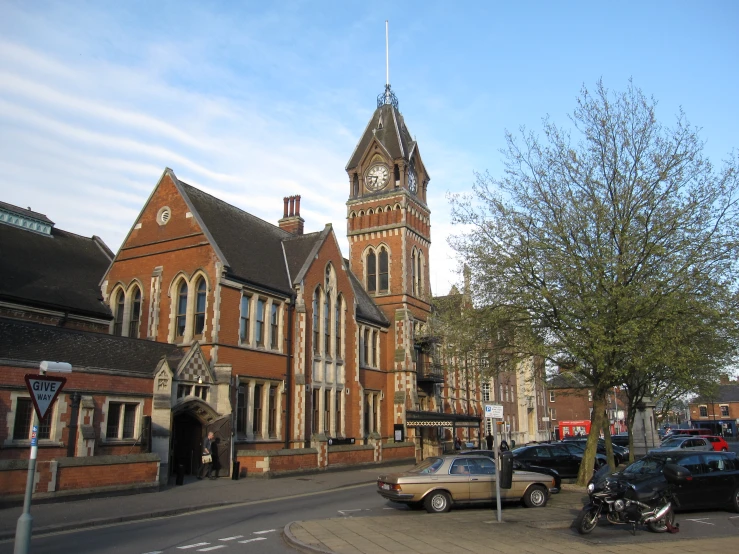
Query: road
[[251, 527], [256, 527]]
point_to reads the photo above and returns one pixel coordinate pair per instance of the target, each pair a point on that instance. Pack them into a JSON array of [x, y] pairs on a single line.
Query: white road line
[[216, 547], [701, 521], [252, 540], [154, 552], [193, 545], [231, 538], [344, 512], [263, 532]]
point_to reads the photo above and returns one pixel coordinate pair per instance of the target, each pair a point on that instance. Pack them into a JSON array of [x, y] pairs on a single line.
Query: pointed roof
[[59, 271], [366, 307], [388, 127], [301, 250], [251, 248]]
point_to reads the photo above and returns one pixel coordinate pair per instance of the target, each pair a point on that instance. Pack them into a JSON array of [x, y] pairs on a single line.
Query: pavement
[[472, 530]]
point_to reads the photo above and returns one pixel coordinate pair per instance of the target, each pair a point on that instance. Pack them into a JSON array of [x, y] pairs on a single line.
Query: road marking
[[154, 552], [252, 540], [263, 532], [701, 521], [231, 538], [212, 548], [344, 512], [193, 545]]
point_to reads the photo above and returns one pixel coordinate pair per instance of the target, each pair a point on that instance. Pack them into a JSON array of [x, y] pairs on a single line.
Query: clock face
[[412, 181], [377, 177]]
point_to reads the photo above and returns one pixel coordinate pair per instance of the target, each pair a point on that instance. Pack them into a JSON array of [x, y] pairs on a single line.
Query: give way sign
[[44, 389]]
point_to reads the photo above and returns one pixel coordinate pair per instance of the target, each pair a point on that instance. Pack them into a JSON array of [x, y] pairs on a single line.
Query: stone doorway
[[187, 435]]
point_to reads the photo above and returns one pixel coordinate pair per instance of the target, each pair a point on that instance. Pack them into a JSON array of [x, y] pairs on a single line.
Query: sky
[[253, 101]]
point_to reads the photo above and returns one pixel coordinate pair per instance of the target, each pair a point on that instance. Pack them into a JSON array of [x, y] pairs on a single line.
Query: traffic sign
[[44, 389], [494, 411]]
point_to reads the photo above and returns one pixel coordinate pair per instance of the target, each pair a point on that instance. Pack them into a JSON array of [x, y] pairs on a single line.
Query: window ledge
[[118, 442], [42, 443]]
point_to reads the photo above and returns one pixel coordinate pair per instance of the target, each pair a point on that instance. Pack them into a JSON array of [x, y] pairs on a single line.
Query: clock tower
[[389, 232]]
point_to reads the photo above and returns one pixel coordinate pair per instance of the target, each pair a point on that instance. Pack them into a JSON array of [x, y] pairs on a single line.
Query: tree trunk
[[596, 423], [609, 442]]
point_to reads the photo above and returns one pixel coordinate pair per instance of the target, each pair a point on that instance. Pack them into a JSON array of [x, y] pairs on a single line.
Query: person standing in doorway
[[207, 467]]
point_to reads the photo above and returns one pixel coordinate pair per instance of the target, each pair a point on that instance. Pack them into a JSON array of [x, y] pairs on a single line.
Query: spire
[[387, 97]]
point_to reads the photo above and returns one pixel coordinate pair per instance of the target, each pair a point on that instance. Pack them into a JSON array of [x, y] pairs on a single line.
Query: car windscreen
[[429, 465], [673, 443], [645, 466]]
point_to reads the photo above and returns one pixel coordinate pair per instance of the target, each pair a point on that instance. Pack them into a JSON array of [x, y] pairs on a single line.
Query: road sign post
[[495, 412], [44, 391]]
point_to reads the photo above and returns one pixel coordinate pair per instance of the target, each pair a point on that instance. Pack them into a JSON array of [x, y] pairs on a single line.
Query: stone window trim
[[138, 402], [192, 282], [371, 416], [724, 410], [703, 410], [252, 343], [370, 276], [551, 396], [164, 215], [55, 434], [249, 385], [129, 296]]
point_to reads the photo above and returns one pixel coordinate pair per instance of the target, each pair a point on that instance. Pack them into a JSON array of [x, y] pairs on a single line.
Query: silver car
[[683, 444]]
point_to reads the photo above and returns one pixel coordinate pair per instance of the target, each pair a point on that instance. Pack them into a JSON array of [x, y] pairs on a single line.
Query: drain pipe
[[288, 373]]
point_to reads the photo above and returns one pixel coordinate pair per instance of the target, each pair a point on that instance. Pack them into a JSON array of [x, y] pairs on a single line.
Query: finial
[[387, 97]]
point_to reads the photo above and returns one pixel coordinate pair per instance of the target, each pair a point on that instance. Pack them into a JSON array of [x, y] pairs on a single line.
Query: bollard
[[236, 470], [180, 475]]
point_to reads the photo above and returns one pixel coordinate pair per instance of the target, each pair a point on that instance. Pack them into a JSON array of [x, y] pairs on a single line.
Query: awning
[[438, 419]]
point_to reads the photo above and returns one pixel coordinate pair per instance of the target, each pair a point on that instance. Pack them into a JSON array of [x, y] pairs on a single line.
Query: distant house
[[720, 413]]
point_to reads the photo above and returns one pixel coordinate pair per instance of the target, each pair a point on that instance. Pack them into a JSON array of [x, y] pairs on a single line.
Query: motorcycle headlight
[[619, 505], [591, 488]]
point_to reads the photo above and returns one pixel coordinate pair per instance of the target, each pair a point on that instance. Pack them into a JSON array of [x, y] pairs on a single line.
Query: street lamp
[[25, 521]]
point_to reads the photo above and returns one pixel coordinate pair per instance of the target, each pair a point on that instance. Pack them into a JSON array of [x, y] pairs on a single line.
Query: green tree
[[601, 237]]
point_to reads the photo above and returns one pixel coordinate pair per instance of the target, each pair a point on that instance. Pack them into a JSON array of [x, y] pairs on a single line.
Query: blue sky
[[253, 101]]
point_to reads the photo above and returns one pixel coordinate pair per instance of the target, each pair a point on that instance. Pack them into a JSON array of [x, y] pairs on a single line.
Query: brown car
[[438, 482]]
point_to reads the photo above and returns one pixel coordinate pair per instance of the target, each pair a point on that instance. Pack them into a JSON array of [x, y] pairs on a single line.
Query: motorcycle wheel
[[660, 526], [586, 520]]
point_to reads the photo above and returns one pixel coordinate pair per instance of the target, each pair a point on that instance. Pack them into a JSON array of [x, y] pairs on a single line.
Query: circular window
[[163, 215]]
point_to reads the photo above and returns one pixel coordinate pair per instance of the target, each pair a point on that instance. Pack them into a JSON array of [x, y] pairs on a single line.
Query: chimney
[[724, 379], [291, 220]]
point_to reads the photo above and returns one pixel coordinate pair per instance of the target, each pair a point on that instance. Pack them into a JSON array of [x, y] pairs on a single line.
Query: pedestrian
[[503, 446], [457, 444], [207, 461], [489, 440]]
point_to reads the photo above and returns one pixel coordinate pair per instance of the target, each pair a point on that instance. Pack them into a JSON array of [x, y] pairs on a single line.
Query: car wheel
[[735, 500], [586, 520], [437, 502], [660, 526], [535, 497]]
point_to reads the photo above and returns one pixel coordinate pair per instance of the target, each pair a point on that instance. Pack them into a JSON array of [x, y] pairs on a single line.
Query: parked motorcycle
[[622, 503]]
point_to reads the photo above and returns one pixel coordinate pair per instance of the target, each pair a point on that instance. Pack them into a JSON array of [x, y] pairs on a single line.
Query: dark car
[[620, 454], [714, 481], [578, 449], [552, 456], [622, 439], [518, 466]]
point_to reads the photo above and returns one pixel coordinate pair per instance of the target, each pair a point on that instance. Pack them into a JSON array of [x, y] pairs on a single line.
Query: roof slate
[[726, 393], [297, 251], [394, 135], [26, 213], [252, 246], [33, 342], [567, 381], [60, 271], [366, 307]]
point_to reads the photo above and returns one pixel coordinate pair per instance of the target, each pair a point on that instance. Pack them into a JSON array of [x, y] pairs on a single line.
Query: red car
[[718, 443]]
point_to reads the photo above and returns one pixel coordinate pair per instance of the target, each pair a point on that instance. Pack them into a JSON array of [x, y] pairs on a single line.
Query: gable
[[194, 367]]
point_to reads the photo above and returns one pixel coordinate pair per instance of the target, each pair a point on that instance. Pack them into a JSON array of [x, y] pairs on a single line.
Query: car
[[554, 456], [682, 432], [718, 443], [518, 466], [439, 482], [620, 453], [713, 483], [621, 439], [683, 443], [578, 450]]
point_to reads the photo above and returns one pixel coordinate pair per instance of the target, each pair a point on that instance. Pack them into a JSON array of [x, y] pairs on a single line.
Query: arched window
[[371, 271], [375, 349], [199, 307], [355, 185], [133, 322], [366, 345], [413, 271], [316, 325], [383, 276], [181, 309], [337, 323], [327, 323], [120, 302], [418, 273]]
